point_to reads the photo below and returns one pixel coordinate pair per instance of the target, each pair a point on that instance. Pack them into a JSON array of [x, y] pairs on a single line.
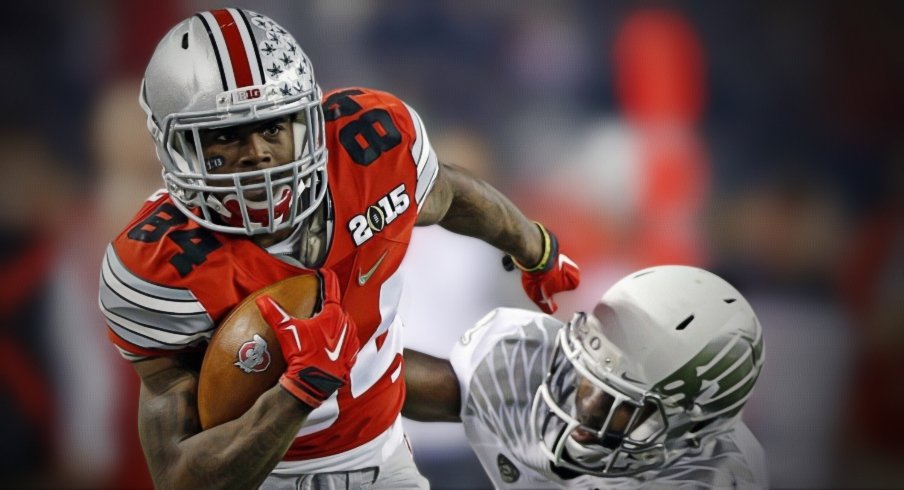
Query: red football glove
[[555, 273], [319, 351]]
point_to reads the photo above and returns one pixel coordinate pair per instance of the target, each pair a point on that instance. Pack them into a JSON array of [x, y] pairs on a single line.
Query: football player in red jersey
[[266, 179]]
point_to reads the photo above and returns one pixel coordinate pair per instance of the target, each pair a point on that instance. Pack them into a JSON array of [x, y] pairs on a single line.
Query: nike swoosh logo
[[334, 354], [363, 278]]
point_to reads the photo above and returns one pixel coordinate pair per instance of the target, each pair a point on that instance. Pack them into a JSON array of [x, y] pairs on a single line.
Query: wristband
[[550, 250]]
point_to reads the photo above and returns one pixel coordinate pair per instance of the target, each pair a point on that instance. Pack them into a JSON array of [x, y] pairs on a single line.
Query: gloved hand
[[319, 351], [554, 273]]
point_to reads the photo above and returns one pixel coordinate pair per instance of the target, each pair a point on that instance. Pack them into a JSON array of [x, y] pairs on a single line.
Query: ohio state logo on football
[[253, 355], [378, 215]]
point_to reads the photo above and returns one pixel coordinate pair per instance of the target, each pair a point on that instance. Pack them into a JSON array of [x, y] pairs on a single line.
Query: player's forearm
[[432, 390], [237, 454], [479, 210], [243, 453]]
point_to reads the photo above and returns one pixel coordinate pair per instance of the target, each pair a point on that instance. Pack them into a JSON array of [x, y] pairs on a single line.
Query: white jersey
[[502, 361]]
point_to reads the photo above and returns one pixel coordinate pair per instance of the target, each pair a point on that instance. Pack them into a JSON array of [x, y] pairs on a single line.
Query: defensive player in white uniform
[[645, 391]]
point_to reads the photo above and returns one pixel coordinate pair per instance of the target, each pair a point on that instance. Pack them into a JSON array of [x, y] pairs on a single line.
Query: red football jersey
[[167, 282]]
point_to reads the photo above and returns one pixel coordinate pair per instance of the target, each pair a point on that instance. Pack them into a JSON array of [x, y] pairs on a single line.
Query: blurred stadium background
[[762, 140]]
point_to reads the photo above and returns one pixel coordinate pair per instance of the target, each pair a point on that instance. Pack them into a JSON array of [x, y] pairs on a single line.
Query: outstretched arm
[[237, 454], [464, 204], [433, 393]]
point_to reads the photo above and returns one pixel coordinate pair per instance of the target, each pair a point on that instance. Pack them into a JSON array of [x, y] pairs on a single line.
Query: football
[[243, 358]]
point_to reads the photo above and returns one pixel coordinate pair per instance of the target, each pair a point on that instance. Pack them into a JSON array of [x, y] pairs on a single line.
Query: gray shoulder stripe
[[421, 150], [137, 321], [128, 355], [143, 341], [108, 293], [148, 336], [139, 339], [181, 324], [147, 295], [424, 186], [417, 147], [424, 159]]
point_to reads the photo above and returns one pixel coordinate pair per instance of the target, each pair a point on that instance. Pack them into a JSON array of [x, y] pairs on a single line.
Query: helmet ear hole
[[185, 41], [687, 321]]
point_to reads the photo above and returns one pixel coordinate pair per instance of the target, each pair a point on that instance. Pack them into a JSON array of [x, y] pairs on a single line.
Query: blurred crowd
[[761, 140]]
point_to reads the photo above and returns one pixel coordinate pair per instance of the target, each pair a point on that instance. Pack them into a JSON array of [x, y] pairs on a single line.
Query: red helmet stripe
[[238, 56]]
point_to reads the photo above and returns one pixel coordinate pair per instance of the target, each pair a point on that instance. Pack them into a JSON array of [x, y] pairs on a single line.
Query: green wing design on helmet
[[718, 379]]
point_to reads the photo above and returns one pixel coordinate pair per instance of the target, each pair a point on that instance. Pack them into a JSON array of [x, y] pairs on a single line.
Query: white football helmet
[[230, 67], [675, 350]]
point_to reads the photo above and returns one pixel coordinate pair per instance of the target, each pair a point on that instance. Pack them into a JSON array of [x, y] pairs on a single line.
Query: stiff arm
[[433, 393], [464, 204]]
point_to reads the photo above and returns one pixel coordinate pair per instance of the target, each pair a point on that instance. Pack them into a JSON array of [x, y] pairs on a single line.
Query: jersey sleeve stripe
[[131, 344], [424, 158], [149, 336], [144, 343], [418, 149], [178, 324], [148, 295], [421, 149], [114, 299], [128, 355], [133, 352], [424, 186]]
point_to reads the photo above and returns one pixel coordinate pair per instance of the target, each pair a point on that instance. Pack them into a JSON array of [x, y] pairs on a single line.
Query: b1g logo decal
[[377, 216], [240, 96], [249, 94], [253, 355]]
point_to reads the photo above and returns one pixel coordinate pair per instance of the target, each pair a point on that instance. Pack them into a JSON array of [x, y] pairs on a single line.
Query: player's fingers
[[337, 326], [547, 304], [271, 311], [330, 282], [571, 272], [329, 322], [574, 280], [550, 307]]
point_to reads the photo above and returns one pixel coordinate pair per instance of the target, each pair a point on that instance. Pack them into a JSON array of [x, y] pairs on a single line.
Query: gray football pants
[[398, 472]]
